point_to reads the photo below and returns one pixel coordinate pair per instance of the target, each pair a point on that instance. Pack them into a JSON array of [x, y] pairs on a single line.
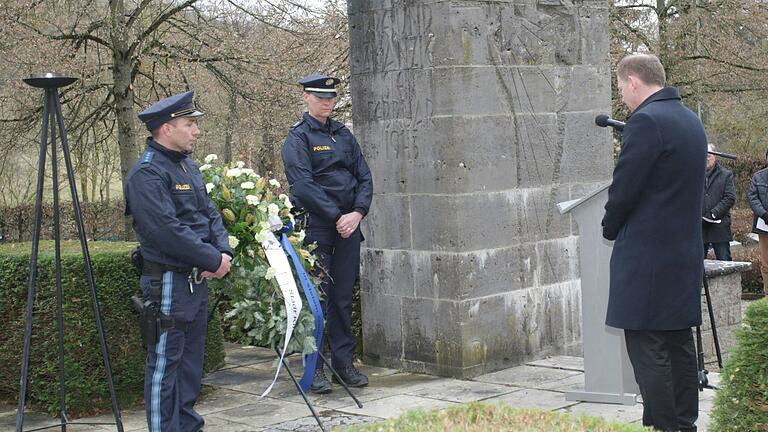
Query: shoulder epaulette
[[301, 120], [147, 158]]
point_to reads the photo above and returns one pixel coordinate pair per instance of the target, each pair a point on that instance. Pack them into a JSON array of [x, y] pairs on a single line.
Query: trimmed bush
[[741, 404], [478, 417], [86, 383]]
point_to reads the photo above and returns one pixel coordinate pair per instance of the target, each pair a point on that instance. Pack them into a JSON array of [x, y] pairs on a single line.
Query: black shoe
[[351, 376], [320, 384]]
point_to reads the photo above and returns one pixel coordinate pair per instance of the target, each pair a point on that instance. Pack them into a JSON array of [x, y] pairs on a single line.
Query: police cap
[[172, 107], [322, 86]]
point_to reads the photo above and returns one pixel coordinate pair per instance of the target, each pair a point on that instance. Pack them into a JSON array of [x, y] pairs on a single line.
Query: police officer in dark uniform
[[330, 180], [183, 241]]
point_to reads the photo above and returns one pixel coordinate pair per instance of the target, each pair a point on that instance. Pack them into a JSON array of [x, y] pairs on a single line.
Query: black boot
[[351, 376], [320, 384]]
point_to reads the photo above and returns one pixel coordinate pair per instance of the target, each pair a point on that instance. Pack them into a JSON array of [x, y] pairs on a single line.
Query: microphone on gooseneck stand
[[603, 120]]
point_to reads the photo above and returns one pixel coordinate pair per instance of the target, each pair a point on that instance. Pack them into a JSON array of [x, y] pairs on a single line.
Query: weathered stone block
[[388, 222], [382, 328], [387, 272], [431, 332], [516, 326]]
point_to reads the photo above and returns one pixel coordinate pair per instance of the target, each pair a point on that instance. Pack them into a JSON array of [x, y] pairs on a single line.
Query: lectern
[[608, 376]]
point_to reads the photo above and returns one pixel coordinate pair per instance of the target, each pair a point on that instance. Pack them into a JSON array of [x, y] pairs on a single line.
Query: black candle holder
[[53, 120]]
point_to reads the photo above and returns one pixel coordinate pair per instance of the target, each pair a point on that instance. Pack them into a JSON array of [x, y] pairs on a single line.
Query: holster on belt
[[152, 322]]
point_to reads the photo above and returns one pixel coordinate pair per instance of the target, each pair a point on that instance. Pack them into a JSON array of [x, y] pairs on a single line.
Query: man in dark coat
[[719, 196], [654, 214]]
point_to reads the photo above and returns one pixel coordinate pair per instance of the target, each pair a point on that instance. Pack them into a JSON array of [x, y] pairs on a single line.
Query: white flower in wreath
[[286, 201], [247, 185], [273, 209], [274, 183], [300, 235], [234, 172], [263, 235], [240, 164], [249, 172], [209, 187], [251, 253], [205, 167], [210, 158], [252, 199], [233, 241], [270, 274]]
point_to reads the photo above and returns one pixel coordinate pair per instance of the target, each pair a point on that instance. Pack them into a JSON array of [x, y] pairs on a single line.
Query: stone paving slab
[[560, 362], [454, 390], [221, 399], [133, 420], [533, 398], [622, 413], [393, 406], [263, 413], [330, 421], [215, 424], [571, 383], [243, 355], [247, 379], [380, 386], [526, 376]]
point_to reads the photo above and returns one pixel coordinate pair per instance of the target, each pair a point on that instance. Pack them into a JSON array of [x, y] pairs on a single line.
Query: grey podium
[[608, 376]]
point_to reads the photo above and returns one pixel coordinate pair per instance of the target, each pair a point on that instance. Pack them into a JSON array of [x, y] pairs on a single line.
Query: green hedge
[[86, 384], [741, 404]]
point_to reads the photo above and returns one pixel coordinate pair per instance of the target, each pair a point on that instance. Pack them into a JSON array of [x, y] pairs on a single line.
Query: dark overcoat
[[654, 214], [719, 196]]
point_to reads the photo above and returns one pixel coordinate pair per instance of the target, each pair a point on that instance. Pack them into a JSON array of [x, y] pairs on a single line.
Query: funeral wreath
[[251, 208]]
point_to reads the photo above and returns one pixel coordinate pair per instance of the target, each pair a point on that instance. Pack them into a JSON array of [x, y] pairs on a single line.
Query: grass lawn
[[478, 417]]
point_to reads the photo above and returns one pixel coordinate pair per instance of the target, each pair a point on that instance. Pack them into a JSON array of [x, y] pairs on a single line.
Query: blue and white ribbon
[[279, 262], [313, 299]]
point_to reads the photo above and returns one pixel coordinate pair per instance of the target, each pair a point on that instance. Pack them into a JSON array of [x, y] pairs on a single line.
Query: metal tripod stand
[[702, 371], [53, 119]]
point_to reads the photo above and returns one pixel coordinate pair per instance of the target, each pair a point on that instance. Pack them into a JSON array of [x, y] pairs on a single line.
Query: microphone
[[603, 120], [725, 155]]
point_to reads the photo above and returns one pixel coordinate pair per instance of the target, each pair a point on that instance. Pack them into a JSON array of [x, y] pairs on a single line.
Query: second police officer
[[329, 178], [183, 241]]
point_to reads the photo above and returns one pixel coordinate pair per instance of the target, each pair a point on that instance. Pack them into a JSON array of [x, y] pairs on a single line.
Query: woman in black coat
[[758, 200], [719, 196]]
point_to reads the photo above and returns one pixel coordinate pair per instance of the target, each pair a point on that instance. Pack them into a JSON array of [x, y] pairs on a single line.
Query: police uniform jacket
[[326, 170], [175, 221], [654, 214], [719, 196]]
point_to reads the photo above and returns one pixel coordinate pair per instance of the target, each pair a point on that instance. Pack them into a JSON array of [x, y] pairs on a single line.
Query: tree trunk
[[231, 119], [123, 94]]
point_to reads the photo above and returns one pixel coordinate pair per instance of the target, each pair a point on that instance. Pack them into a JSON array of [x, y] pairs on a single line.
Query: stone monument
[[477, 118]]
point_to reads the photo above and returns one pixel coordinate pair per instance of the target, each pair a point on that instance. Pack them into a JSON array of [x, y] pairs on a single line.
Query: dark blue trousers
[[174, 366], [722, 250], [340, 258]]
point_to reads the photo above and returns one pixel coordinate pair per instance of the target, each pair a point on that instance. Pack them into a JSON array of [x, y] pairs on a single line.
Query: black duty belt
[[156, 269]]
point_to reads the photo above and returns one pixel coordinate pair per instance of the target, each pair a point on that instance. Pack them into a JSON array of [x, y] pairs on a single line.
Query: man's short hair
[[646, 67]]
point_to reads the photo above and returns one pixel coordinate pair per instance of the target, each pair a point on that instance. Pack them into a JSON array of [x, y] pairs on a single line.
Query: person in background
[[757, 195], [719, 196]]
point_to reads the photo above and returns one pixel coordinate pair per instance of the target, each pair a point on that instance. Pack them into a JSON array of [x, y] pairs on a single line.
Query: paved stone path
[[231, 401]]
